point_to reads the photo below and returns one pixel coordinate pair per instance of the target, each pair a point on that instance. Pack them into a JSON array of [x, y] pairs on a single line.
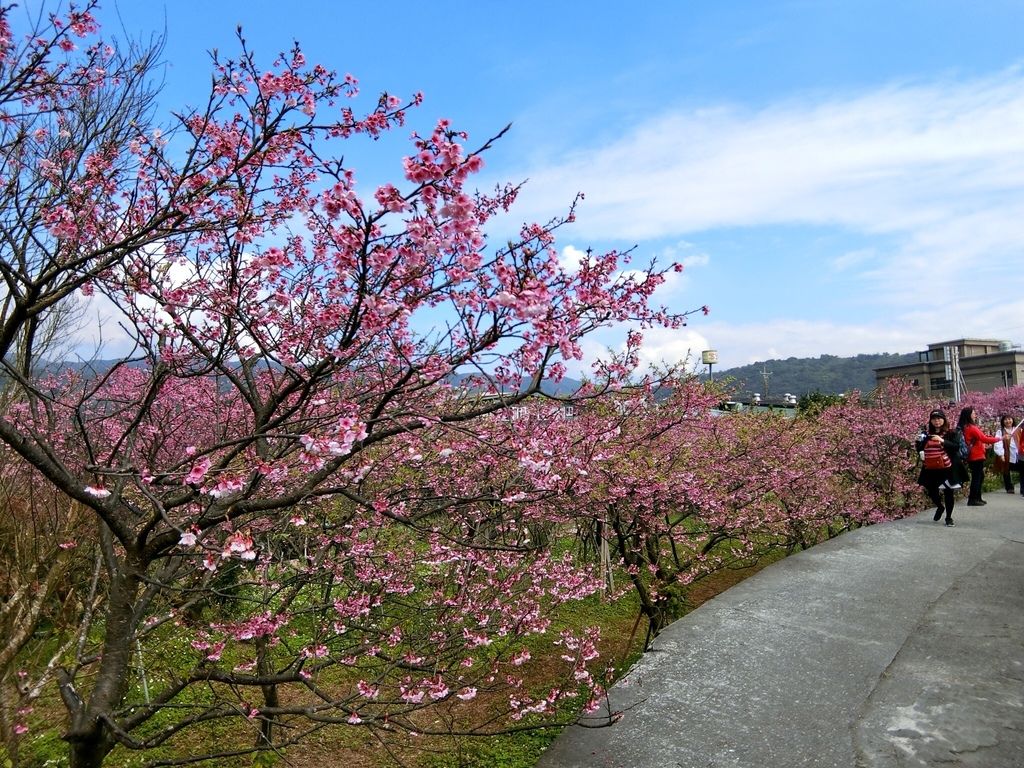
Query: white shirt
[[998, 447]]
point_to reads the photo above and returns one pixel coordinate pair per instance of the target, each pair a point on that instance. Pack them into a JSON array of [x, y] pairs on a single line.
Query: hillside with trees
[[828, 374]]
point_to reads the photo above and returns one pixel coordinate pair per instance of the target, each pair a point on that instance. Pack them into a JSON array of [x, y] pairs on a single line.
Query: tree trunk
[[270, 697], [89, 736]]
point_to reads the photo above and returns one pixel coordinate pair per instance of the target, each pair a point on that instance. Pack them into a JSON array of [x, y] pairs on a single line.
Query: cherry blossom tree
[[990, 405], [873, 448], [56, 110], [263, 469], [678, 495]]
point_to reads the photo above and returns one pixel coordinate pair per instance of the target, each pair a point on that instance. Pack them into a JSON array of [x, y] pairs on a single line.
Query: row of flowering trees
[[339, 613], [991, 405], [278, 512], [678, 494]]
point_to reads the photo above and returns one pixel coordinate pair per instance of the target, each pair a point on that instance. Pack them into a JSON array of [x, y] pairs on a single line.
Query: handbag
[[936, 459]]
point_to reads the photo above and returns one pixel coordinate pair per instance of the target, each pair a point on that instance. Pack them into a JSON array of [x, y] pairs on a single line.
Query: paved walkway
[[895, 646]]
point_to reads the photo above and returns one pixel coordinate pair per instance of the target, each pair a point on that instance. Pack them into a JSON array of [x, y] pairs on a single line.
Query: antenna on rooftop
[[953, 372]]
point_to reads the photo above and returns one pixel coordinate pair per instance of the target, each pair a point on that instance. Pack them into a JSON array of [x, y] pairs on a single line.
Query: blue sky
[[839, 177]]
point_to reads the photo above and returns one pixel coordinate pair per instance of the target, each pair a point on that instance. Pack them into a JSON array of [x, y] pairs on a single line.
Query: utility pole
[[953, 372], [765, 374], [959, 386]]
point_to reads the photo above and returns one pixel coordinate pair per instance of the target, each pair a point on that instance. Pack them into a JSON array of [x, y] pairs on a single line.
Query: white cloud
[[662, 347], [898, 159], [686, 254], [928, 178], [101, 335], [854, 258], [741, 344], [571, 257], [921, 323], [668, 346]]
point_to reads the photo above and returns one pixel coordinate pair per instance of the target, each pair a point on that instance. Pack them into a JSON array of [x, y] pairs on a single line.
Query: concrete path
[[895, 646]]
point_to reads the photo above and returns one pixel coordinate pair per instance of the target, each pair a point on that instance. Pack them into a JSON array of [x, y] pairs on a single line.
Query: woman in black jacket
[[939, 448]]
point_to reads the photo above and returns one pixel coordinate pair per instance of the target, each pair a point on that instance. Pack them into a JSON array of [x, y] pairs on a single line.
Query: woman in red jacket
[[976, 442]]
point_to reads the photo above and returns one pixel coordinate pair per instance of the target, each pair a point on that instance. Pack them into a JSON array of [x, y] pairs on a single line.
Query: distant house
[[985, 365]]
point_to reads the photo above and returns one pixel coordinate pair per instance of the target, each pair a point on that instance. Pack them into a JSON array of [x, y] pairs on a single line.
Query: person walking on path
[[1007, 452], [939, 447], [976, 442]]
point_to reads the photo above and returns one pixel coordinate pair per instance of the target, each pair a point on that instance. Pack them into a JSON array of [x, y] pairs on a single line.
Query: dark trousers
[[977, 476], [1008, 482], [942, 497], [1017, 467]]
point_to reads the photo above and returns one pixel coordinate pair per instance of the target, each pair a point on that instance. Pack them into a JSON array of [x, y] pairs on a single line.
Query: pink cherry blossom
[[239, 544], [188, 537], [198, 471]]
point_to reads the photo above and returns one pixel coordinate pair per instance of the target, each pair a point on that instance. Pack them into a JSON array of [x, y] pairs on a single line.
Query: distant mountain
[[92, 368], [827, 374], [564, 387]]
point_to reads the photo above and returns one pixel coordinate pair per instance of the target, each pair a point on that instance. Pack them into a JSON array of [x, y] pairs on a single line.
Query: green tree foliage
[[813, 403], [827, 374]]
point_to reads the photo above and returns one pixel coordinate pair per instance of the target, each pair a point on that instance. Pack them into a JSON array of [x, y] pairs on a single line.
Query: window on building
[[942, 383]]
